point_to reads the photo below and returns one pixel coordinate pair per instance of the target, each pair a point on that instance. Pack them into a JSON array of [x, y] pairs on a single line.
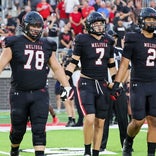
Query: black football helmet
[[92, 18], [32, 18], [147, 13]]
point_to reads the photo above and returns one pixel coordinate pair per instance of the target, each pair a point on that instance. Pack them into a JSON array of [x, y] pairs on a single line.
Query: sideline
[[66, 151]]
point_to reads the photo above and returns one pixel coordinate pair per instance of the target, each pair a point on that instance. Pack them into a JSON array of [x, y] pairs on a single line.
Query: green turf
[[71, 138], [74, 138]]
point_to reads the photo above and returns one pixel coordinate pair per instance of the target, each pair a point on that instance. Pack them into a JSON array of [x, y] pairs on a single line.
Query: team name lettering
[[95, 45], [150, 45], [34, 47]]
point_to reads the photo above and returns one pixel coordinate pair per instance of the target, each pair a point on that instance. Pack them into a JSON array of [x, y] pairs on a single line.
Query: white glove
[[66, 93]]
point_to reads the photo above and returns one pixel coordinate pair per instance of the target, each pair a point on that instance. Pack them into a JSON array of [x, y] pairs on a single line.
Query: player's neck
[[96, 36], [29, 38], [147, 34]]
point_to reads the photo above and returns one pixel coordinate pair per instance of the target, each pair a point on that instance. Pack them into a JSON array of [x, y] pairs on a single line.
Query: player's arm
[[72, 65], [112, 68], [120, 76], [5, 58]]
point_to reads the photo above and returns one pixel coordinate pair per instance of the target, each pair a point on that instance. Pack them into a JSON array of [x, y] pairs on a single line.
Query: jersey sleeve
[[51, 44], [78, 45], [111, 40], [9, 41]]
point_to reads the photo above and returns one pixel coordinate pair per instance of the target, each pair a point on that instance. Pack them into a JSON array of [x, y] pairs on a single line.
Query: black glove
[[116, 91], [66, 93]]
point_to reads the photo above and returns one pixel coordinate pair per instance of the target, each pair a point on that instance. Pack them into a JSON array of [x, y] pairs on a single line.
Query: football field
[[68, 141]]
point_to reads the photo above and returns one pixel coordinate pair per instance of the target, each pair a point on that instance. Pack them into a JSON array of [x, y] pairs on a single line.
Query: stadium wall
[[5, 86]]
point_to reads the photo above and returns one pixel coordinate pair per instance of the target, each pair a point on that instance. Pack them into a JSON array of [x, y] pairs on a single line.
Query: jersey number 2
[[151, 58]]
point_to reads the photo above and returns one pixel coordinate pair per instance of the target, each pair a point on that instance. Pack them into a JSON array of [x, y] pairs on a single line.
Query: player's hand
[[116, 91], [66, 93]]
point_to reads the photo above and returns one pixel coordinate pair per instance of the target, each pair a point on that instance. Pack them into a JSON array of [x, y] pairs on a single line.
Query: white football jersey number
[[39, 59], [101, 51], [151, 58]]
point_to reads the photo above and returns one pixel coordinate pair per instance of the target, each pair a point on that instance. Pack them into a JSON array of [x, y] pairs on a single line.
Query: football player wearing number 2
[[29, 55], [95, 52], [140, 49]]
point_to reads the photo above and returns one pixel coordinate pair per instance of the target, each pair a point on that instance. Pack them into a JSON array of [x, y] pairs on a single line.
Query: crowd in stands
[[121, 16]]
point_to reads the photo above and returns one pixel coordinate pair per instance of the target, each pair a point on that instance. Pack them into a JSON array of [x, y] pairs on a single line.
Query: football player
[[140, 49], [29, 54], [95, 52]]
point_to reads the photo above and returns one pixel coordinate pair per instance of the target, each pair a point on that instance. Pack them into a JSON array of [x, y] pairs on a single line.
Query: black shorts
[[33, 105], [93, 97], [143, 99]]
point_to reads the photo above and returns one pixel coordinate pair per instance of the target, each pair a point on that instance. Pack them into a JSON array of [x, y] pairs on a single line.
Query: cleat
[[70, 124], [14, 153], [127, 148], [78, 125], [55, 121]]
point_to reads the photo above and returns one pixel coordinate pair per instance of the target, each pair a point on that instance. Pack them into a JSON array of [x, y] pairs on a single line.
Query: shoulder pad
[[81, 37], [110, 38], [132, 37], [9, 41], [50, 43]]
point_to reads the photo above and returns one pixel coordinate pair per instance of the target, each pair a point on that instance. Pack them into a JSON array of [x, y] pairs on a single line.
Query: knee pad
[[39, 134], [16, 136]]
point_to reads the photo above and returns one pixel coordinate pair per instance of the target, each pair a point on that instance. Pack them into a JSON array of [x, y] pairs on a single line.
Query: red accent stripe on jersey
[[80, 102]]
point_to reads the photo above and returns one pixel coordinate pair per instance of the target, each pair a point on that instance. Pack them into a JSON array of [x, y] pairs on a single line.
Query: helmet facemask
[[147, 19], [32, 25], [95, 23], [34, 31], [97, 28], [149, 26]]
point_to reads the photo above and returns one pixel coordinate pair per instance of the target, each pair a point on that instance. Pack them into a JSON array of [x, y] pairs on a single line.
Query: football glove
[[116, 91], [66, 93]]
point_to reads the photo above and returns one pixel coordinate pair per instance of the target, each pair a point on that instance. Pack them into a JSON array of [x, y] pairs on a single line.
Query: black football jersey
[[94, 55], [142, 53], [29, 61]]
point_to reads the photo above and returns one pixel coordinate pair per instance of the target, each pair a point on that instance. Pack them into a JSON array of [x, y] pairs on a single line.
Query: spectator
[[61, 14], [86, 9], [44, 9], [97, 4], [69, 5], [127, 11], [23, 13], [120, 30], [53, 27], [75, 18], [103, 10], [33, 4], [65, 37]]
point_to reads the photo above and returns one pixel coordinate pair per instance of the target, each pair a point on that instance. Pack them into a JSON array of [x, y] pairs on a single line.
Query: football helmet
[[147, 13], [34, 19], [91, 19]]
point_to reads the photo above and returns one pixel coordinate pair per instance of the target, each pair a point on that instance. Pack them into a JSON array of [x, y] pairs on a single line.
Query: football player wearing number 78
[[29, 55]]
